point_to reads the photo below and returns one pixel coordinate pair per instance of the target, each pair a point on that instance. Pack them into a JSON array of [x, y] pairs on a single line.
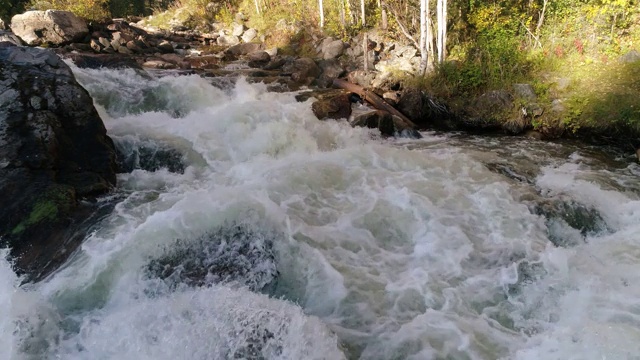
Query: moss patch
[[56, 201]]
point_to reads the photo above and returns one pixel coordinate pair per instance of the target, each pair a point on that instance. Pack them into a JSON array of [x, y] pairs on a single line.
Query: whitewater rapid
[[384, 248]]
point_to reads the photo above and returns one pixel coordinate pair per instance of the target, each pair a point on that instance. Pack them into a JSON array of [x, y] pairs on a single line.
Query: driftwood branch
[[373, 99]]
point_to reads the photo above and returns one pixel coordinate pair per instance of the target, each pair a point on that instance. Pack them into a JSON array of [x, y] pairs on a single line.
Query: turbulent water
[[247, 229]]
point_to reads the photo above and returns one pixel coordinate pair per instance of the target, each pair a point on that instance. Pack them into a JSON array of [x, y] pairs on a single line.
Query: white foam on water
[[390, 250]]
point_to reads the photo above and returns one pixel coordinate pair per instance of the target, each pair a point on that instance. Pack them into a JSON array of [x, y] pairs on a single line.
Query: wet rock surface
[[54, 152]]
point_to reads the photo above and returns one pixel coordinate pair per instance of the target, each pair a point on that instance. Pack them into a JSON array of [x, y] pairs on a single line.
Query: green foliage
[[87, 9], [8, 8]]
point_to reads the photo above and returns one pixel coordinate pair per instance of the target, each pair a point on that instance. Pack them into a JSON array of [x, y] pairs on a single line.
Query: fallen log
[[373, 99]]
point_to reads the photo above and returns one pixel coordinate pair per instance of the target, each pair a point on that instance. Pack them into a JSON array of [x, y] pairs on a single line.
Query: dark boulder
[[425, 111], [258, 59], [376, 119], [336, 107], [54, 151]]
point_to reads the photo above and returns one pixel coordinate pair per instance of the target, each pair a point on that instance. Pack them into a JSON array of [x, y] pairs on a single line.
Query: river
[[330, 242]]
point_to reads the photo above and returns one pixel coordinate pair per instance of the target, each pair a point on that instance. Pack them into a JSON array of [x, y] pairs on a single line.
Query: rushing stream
[[248, 229]]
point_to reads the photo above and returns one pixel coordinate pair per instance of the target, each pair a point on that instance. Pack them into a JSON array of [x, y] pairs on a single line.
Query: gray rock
[[272, 52], [237, 29], [360, 77], [2, 25], [305, 70], [8, 36], [104, 42], [249, 35], [53, 150], [332, 49], [227, 40], [243, 49], [258, 58], [630, 57], [405, 64], [53, 27], [525, 91], [331, 68], [557, 106]]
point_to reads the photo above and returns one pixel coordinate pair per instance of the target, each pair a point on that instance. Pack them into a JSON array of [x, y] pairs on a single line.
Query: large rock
[[52, 27], [376, 119], [249, 35], [337, 107], [332, 49], [243, 49], [54, 151], [305, 70]]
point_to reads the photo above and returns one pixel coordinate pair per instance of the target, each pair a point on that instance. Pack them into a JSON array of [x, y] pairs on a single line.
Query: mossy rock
[[55, 203]]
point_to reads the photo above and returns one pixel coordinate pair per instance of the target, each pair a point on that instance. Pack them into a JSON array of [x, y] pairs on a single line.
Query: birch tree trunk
[[441, 38], [321, 9], [257, 6], [343, 21], [385, 21], [364, 20], [424, 28]]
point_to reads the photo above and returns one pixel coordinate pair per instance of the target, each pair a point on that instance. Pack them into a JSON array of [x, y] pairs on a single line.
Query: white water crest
[[385, 249]]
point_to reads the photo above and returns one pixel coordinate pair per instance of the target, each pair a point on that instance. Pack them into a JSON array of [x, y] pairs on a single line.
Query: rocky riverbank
[[316, 61]]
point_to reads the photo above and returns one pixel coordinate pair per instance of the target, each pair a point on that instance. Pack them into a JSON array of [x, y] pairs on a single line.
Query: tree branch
[[404, 30]]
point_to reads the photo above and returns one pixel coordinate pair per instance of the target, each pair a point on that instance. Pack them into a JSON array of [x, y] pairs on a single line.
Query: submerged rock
[[569, 214], [149, 156], [53, 27], [235, 253], [54, 151]]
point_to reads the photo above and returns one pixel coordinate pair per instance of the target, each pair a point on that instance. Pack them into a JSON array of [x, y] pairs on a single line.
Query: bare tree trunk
[[385, 21], [365, 47], [364, 18], [441, 38], [257, 6], [342, 15], [321, 10], [424, 28], [541, 18]]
